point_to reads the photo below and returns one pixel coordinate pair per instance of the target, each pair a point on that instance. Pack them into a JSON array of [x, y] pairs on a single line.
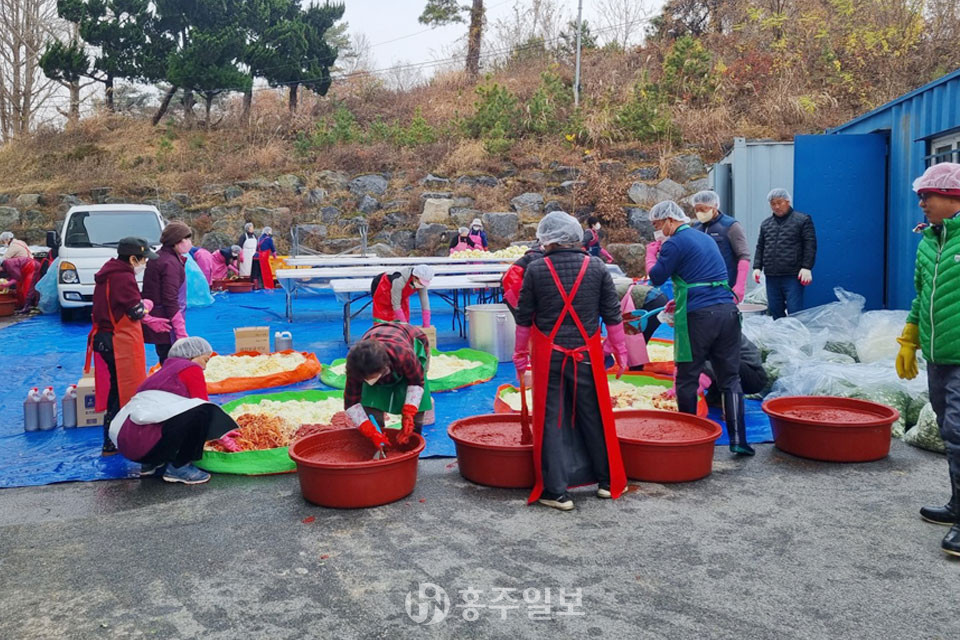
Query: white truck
[[88, 239]]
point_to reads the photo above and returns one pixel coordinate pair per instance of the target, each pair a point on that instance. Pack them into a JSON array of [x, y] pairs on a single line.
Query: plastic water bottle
[[68, 407], [47, 410], [31, 410], [282, 341]]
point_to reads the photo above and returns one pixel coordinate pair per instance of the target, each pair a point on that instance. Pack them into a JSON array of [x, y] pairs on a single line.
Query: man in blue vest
[[729, 236]]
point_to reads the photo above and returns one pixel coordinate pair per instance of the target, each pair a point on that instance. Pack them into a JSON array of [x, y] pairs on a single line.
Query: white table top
[[440, 283], [330, 273], [349, 261]]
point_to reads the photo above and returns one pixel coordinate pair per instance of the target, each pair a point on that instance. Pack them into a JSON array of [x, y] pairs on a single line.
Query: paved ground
[[774, 547]]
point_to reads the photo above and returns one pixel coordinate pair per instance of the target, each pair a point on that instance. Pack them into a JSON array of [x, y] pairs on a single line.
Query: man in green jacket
[[932, 326]]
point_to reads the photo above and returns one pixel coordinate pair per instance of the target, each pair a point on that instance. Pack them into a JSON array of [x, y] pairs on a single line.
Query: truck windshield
[[106, 228]]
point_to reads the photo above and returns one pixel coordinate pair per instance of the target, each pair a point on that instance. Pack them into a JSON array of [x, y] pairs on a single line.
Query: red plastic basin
[[831, 429], [489, 451], [337, 469], [665, 446], [7, 308], [239, 286]]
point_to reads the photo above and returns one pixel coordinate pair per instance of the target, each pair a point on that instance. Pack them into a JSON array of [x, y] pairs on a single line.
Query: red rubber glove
[[371, 433], [671, 307], [406, 422]]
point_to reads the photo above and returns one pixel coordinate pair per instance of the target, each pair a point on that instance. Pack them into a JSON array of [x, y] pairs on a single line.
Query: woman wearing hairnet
[[932, 327], [248, 247], [391, 294], [167, 422], [562, 301], [265, 251], [706, 318]]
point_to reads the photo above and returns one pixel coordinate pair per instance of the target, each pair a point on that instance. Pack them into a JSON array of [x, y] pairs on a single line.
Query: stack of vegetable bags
[[838, 350]]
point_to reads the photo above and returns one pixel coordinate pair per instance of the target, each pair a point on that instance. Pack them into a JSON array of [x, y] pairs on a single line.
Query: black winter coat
[[786, 245], [540, 302]]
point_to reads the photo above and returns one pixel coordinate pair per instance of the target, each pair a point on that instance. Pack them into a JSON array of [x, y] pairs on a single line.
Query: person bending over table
[[391, 293], [387, 373]]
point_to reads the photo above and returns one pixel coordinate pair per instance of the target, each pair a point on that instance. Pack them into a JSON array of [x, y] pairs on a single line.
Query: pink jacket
[[205, 262]]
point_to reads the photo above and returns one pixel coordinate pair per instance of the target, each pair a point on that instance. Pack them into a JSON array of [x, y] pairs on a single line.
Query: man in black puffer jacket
[[786, 251], [564, 297]]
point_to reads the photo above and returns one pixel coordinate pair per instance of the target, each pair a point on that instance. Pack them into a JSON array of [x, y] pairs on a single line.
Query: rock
[[685, 167], [26, 200], [396, 205], [256, 184], [368, 204], [639, 219], [567, 187], [214, 240], [553, 205], [32, 218], [436, 210], [336, 180], [314, 196], [529, 231], [501, 227], [99, 194], [339, 245], [211, 188], [169, 209], [310, 233], [70, 200], [4, 198], [527, 203], [398, 219], [564, 173], [329, 215], [612, 167], [434, 182], [507, 171], [462, 217], [401, 240], [700, 184], [436, 195], [670, 189], [643, 193], [182, 199], [537, 177], [259, 216], [629, 257], [646, 173], [290, 183], [370, 183], [463, 202], [478, 181], [113, 200], [232, 193], [432, 238], [382, 251]]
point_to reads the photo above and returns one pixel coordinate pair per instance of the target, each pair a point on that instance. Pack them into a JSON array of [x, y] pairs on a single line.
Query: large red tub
[[665, 446], [337, 469], [489, 451], [831, 429]]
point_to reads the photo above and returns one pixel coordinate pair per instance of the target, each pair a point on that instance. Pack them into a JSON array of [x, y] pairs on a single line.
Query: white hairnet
[[941, 177], [778, 193], [709, 198], [463, 231], [477, 222], [267, 231], [559, 227], [190, 348], [667, 210], [248, 225], [235, 249], [6, 236], [424, 273]]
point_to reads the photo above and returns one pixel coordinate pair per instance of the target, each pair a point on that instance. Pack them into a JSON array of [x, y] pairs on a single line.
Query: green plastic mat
[[266, 461], [486, 371]]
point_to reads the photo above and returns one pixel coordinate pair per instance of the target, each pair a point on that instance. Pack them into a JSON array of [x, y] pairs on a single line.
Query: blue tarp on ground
[[41, 352]]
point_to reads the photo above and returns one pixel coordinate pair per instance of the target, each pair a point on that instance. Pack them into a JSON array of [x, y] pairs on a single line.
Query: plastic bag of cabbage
[[926, 433]]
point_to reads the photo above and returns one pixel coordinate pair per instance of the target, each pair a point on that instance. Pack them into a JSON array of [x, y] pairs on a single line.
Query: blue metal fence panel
[[911, 121]]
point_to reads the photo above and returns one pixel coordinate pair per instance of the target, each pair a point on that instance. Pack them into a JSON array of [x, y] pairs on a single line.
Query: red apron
[[25, 283], [383, 300], [129, 358], [266, 271], [542, 350]]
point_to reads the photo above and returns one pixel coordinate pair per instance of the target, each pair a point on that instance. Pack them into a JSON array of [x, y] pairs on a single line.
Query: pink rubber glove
[[740, 288], [606, 255], [426, 319], [179, 324], [705, 383], [147, 305], [618, 340], [157, 325], [653, 250], [521, 350], [399, 315]]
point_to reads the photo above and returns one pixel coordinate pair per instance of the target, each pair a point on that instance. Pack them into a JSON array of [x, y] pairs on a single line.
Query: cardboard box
[[252, 339], [431, 335], [86, 416]]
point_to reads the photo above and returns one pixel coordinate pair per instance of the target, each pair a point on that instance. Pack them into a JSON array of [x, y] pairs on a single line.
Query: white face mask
[[374, 380], [705, 216], [596, 227], [139, 269], [658, 235]]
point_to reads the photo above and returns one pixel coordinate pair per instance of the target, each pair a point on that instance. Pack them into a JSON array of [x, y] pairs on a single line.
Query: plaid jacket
[[404, 363]]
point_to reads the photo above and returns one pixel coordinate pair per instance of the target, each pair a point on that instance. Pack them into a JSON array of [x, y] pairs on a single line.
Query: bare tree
[[358, 55], [533, 21], [622, 21], [25, 27], [403, 76]]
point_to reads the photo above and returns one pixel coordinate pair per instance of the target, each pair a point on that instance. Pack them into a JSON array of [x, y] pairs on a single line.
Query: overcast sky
[[395, 35]]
